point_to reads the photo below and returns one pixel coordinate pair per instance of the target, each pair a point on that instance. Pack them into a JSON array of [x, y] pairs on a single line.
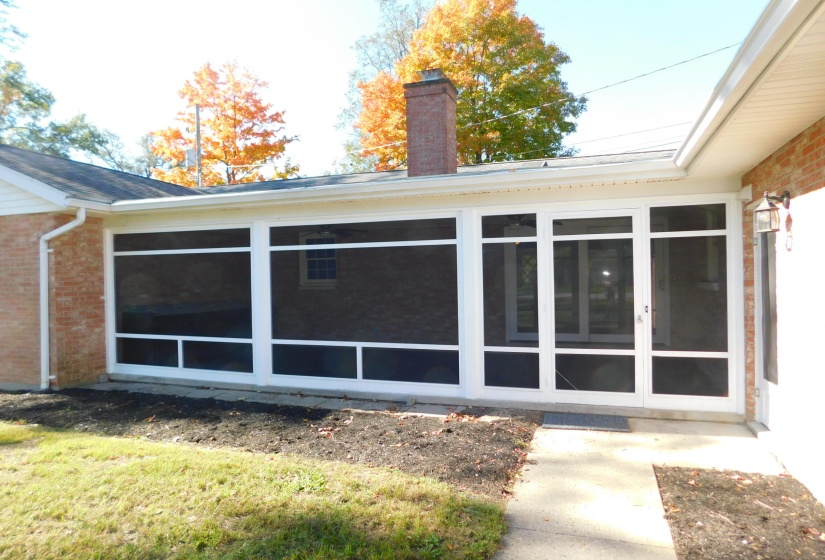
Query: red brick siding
[[799, 167], [431, 133], [78, 343], [19, 298], [77, 313], [393, 295]]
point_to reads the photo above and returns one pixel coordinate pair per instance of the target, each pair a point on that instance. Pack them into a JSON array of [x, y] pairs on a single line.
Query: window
[[319, 267], [768, 296], [511, 301], [392, 315], [183, 299], [688, 269]]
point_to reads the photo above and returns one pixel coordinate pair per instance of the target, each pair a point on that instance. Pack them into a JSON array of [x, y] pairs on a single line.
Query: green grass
[[69, 495]]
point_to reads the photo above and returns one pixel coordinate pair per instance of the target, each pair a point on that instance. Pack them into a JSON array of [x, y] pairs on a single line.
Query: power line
[[630, 133], [605, 87], [602, 88], [608, 137]]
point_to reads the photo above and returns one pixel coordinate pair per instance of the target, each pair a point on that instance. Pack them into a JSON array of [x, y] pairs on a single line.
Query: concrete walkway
[[583, 495], [593, 495]]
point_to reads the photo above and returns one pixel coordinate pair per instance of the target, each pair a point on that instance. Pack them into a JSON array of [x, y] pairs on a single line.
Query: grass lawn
[[70, 495]]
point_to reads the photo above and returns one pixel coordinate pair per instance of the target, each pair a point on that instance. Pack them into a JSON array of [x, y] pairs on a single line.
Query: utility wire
[[609, 137], [602, 88], [605, 87]]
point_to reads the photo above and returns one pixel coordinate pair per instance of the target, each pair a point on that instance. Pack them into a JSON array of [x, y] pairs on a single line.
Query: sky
[[122, 63]]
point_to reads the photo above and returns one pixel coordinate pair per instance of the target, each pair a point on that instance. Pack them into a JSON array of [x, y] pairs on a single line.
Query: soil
[[713, 515], [716, 515], [472, 451]]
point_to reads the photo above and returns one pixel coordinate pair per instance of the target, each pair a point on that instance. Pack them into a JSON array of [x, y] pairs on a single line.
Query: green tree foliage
[[379, 52], [512, 103], [25, 108]]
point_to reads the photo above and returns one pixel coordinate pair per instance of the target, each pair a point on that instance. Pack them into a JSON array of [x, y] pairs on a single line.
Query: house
[[630, 282]]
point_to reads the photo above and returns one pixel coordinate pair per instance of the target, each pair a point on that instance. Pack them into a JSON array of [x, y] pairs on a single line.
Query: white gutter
[[779, 24], [435, 185], [45, 373]]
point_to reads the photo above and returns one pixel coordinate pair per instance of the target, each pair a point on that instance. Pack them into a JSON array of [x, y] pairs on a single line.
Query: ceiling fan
[[333, 230], [519, 221]]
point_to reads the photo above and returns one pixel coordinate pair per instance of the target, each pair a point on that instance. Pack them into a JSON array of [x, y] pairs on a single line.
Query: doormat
[[601, 422]]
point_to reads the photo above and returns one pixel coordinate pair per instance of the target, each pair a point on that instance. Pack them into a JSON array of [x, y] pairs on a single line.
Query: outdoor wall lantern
[[766, 215]]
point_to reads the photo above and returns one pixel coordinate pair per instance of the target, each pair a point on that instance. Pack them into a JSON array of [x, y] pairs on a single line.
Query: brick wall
[[799, 167], [392, 295], [78, 342], [77, 312], [431, 133]]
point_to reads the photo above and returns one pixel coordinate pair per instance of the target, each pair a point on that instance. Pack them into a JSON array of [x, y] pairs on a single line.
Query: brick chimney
[[431, 145]]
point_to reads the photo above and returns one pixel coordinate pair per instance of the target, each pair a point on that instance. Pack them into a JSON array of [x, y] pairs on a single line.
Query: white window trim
[[304, 280]]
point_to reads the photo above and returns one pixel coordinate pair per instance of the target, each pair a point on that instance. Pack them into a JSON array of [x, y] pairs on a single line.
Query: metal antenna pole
[[198, 141]]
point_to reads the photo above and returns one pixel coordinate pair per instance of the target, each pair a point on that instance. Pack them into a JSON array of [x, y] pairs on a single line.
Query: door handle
[[640, 319]]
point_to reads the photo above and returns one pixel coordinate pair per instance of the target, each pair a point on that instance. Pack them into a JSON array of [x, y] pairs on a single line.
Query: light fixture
[[766, 215]]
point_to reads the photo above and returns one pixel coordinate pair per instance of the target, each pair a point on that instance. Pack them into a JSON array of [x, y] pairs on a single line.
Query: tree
[[25, 108], [376, 53], [241, 135], [24, 111], [512, 103], [10, 35]]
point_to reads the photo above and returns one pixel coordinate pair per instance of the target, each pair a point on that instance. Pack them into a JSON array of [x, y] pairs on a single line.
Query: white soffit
[[47, 194], [774, 89]]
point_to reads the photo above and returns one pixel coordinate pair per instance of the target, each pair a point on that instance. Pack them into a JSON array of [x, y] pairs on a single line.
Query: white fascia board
[[440, 185], [33, 186], [780, 21], [89, 205]]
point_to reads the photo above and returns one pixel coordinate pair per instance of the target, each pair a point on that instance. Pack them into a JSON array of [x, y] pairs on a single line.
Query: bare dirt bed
[[713, 515], [721, 515], [479, 457]]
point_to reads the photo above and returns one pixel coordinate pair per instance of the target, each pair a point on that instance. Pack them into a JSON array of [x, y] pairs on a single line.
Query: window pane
[[184, 295], [593, 293], [566, 286], [387, 294], [367, 232], [687, 218], [690, 303], [593, 226], [510, 294], [511, 369], [147, 352], [418, 366], [220, 356], [706, 377], [513, 225], [169, 240], [767, 260], [613, 374], [314, 361]]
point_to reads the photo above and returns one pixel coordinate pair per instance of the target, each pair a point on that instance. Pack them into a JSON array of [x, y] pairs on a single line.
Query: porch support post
[[261, 304], [470, 303]]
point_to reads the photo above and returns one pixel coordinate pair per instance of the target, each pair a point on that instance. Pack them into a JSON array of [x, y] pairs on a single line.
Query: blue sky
[[123, 63]]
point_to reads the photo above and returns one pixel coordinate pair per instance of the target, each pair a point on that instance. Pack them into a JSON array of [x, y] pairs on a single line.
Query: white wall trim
[[782, 23]]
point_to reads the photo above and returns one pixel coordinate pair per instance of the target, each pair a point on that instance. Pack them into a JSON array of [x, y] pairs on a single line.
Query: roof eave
[[34, 187], [781, 20], [439, 185]]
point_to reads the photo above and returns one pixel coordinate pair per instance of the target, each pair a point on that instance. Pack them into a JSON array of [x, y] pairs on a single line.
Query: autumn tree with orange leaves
[[512, 103], [241, 135]]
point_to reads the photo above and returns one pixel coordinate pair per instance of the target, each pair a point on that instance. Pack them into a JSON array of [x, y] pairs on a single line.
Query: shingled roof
[[87, 182], [91, 183], [481, 169]]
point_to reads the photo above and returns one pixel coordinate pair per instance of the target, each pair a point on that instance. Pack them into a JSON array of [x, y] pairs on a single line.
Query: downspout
[[45, 373]]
